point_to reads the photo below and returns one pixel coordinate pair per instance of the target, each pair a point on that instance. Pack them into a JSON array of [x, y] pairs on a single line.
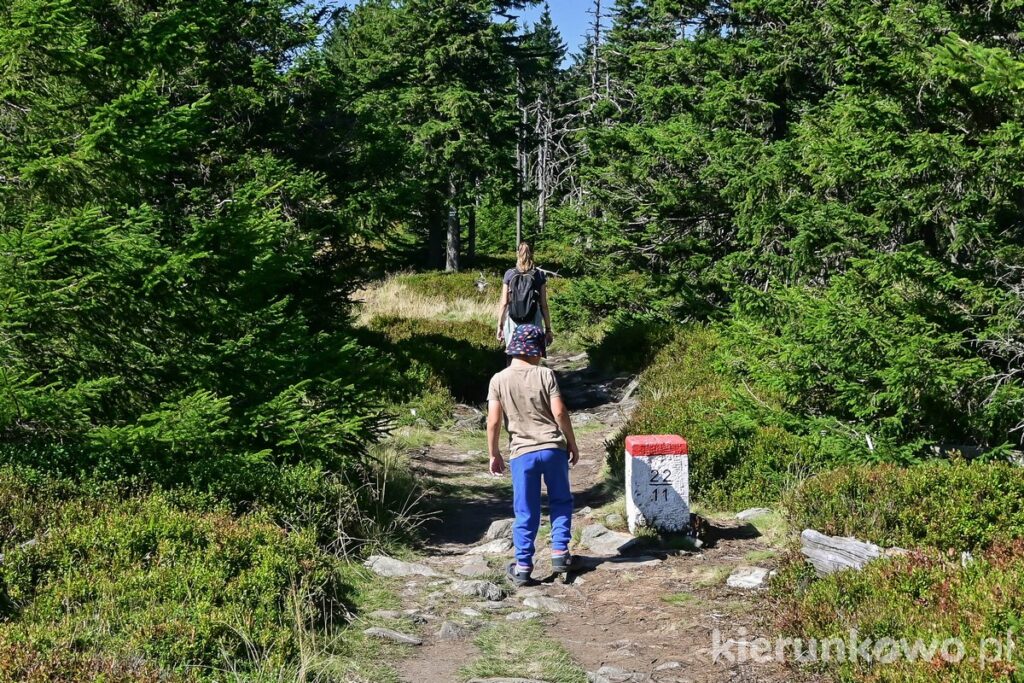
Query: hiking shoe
[[561, 563], [517, 576]]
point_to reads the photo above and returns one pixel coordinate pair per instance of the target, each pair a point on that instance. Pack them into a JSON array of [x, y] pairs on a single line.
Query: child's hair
[[524, 259]]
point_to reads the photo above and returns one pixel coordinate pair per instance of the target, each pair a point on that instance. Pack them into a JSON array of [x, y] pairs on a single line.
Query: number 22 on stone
[[660, 482]]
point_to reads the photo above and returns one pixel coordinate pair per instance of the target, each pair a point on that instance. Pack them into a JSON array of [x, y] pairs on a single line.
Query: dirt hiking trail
[[647, 613]]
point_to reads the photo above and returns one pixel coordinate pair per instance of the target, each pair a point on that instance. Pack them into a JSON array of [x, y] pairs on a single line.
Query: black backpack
[[522, 298]]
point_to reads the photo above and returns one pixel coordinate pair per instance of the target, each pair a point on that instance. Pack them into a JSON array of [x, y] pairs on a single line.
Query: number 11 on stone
[[657, 483]]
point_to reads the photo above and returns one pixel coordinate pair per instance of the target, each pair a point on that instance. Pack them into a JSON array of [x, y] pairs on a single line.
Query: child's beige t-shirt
[[525, 395]]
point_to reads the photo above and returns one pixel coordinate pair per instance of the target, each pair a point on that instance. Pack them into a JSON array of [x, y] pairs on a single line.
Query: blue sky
[[571, 18], [569, 15]]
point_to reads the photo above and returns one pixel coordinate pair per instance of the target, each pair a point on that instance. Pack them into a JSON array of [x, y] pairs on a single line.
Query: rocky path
[[646, 613]]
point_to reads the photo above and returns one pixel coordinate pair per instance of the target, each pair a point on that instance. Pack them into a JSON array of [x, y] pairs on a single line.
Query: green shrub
[[176, 308], [142, 580], [887, 356], [959, 506], [741, 451], [630, 343], [926, 596], [582, 302], [462, 355]]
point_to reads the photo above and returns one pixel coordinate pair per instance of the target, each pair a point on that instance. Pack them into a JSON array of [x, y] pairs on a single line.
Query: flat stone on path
[[498, 546], [602, 540], [521, 616], [480, 589], [476, 567], [505, 680], [395, 636], [546, 604], [386, 614], [389, 566], [615, 519], [451, 631], [617, 564], [610, 674], [501, 528], [751, 513], [748, 577]]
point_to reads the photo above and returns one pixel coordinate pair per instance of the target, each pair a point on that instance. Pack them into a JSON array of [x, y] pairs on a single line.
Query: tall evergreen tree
[[175, 277], [439, 76]]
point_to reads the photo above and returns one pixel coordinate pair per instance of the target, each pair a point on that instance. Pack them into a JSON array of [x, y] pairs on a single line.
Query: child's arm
[[565, 424], [493, 435]]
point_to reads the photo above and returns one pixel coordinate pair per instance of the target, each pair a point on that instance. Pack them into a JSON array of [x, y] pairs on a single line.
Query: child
[[541, 445]]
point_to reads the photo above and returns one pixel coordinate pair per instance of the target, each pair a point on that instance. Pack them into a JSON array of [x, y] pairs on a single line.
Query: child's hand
[[497, 466], [574, 455]]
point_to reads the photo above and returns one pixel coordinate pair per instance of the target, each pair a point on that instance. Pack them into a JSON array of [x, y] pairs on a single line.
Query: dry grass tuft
[[393, 297]]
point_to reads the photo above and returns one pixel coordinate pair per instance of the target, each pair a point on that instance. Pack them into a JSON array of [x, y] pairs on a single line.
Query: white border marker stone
[[657, 483]]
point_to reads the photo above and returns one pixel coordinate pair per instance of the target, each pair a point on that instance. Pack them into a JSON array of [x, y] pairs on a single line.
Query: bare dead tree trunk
[[594, 54], [520, 165], [454, 236], [543, 165]]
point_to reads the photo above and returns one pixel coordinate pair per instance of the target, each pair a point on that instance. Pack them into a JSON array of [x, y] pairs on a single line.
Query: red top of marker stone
[[662, 444]]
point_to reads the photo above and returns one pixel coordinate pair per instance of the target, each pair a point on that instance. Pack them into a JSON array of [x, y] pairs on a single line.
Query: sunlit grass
[[521, 650]]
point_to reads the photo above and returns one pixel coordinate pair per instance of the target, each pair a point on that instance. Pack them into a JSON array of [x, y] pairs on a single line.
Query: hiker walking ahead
[[541, 446], [524, 299]]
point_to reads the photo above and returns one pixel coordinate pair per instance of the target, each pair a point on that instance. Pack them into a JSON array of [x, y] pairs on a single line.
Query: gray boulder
[[501, 528]]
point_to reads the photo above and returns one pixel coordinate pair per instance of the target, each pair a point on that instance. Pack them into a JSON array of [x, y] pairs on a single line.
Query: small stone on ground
[[501, 528], [748, 577], [614, 520], [395, 636], [601, 540], [386, 614], [610, 674], [522, 616], [751, 513], [498, 546], [616, 564], [480, 589], [476, 567], [389, 566], [451, 631], [546, 604]]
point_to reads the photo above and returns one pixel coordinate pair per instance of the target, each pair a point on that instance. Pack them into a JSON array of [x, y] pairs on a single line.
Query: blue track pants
[[527, 470]]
